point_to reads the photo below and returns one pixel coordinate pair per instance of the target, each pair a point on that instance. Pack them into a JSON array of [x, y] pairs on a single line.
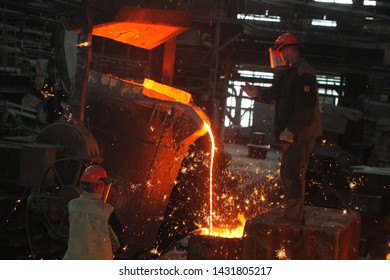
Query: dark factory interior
[[151, 91]]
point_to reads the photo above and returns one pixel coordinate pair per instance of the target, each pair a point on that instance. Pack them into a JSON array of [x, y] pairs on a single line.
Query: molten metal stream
[[207, 126]]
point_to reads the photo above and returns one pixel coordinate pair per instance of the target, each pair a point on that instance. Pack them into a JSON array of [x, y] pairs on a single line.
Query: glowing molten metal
[[227, 232], [207, 126]]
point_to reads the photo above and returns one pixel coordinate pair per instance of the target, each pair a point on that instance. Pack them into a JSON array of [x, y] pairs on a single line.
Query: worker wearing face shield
[[91, 236], [297, 120]]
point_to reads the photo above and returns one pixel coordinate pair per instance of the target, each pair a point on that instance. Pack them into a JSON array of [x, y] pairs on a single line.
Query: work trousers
[[294, 163]]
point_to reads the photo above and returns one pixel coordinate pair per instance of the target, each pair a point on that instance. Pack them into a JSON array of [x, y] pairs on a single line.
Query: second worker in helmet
[[91, 236]]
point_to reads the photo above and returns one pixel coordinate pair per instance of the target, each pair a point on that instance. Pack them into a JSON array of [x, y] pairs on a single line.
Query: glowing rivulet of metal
[[207, 126]]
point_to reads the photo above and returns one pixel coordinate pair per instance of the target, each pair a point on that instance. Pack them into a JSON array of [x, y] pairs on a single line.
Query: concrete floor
[[248, 173], [251, 170]]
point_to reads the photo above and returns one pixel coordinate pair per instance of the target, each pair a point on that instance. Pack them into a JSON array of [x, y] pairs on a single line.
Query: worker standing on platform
[[90, 235], [297, 119]]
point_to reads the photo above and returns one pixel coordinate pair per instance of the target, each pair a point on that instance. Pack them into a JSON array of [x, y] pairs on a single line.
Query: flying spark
[[84, 44]]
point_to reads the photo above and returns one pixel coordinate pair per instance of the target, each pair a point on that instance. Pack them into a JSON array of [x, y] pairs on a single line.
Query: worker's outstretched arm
[[261, 95]]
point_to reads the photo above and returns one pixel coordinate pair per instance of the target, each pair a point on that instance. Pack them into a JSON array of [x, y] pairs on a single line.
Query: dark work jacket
[[295, 96]]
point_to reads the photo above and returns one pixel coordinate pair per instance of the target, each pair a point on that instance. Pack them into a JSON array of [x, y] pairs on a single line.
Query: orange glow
[[207, 126], [146, 36], [352, 185], [159, 91], [83, 44], [227, 232], [281, 254], [156, 90], [388, 255], [144, 28]]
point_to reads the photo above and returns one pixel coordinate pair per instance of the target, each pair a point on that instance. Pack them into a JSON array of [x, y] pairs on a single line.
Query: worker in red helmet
[[91, 236], [297, 119], [277, 55]]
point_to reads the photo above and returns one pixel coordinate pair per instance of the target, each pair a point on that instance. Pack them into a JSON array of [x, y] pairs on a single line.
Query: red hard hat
[[94, 174], [284, 40]]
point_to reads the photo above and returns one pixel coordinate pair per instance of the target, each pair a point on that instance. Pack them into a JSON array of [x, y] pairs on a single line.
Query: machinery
[[140, 133], [35, 203]]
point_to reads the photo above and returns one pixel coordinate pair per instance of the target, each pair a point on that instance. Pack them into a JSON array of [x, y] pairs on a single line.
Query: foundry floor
[[248, 171], [251, 170]]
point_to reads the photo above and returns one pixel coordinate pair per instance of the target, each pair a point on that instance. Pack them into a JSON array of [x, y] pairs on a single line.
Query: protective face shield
[[107, 187], [275, 58], [275, 54]]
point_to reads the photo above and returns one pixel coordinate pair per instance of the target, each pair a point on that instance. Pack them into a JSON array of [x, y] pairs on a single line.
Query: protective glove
[[287, 136], [250, 90]]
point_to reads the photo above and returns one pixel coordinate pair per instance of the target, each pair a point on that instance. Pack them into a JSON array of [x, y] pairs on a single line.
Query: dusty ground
[[254, 173], [252, 170], [258, 180]]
